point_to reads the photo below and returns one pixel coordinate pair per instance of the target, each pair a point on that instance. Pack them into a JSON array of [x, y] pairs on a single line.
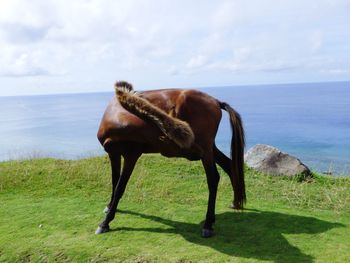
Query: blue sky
[[84, 46]]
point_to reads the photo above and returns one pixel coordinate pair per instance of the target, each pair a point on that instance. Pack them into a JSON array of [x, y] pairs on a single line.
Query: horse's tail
[[237, 156]]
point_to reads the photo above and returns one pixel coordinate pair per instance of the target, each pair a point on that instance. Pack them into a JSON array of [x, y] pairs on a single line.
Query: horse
[[174, 123]]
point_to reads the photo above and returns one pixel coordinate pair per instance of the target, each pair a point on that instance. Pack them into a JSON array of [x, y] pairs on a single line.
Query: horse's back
[[202, 112]]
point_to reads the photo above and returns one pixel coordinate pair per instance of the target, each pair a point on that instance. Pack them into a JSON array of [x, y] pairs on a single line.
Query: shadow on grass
[[251, 234]]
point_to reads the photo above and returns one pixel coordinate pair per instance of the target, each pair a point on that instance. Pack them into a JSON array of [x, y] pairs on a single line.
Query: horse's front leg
[[115, 165], [128, 167], [213, 178]]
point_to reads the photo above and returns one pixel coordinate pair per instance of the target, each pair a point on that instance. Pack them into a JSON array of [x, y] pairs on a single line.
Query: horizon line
[[202, 87]]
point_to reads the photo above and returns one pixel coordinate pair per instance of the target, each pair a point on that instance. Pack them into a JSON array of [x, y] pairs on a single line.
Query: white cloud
[[336, 71], [316, 39], [197, 61], [171, 42]]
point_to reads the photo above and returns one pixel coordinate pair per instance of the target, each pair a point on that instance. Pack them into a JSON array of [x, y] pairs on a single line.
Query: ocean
[[310, 121]]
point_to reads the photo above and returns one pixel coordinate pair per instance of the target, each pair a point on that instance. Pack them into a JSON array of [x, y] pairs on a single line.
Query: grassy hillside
[[49, 210]]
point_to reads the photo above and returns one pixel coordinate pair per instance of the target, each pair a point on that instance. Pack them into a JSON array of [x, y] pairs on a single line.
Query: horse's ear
[[123, 85]]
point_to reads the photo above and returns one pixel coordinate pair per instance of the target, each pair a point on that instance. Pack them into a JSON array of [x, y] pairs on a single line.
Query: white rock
[[270, 160]]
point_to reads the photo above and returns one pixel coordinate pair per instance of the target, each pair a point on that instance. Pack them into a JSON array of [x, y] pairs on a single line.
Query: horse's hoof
[[235, 207], [101, 230], [207, 233], [232, 206], [106, 210]]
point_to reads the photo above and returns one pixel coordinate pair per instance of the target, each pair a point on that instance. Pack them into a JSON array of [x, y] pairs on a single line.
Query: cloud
[[337, 71], [23, 66], [197, 61], [173, 41], [126, 34], [316, 39], [18, 33]]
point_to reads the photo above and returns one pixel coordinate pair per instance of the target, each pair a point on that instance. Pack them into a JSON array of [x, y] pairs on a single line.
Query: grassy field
[[49, 210]]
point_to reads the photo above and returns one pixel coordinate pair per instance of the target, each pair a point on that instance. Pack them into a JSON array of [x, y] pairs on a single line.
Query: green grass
[[49, 210]]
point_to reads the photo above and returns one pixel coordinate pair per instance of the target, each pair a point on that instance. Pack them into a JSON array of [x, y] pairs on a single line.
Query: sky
[[67, 46]]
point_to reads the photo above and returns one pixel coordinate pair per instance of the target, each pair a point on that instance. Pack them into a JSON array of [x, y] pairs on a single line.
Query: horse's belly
[[188, 156]]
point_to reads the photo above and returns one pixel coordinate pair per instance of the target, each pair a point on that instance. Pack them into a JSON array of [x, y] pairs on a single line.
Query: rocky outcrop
[[270, 160]]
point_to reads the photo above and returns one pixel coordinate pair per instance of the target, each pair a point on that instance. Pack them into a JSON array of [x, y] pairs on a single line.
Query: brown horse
[[174, 123]]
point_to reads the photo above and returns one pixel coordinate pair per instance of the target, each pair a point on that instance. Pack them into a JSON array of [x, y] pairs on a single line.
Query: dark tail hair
[[237, 156]]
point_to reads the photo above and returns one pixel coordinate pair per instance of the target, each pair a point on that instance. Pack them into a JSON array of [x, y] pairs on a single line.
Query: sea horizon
[[307, 120], [199, 87]]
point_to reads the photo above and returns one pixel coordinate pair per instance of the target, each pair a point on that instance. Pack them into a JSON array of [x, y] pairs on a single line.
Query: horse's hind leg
[[130, 160], [115, 165], [213, 181], [222, 160], [225, 163]]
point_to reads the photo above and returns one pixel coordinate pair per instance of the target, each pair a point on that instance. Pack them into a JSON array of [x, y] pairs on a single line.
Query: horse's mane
[[175, 129]]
